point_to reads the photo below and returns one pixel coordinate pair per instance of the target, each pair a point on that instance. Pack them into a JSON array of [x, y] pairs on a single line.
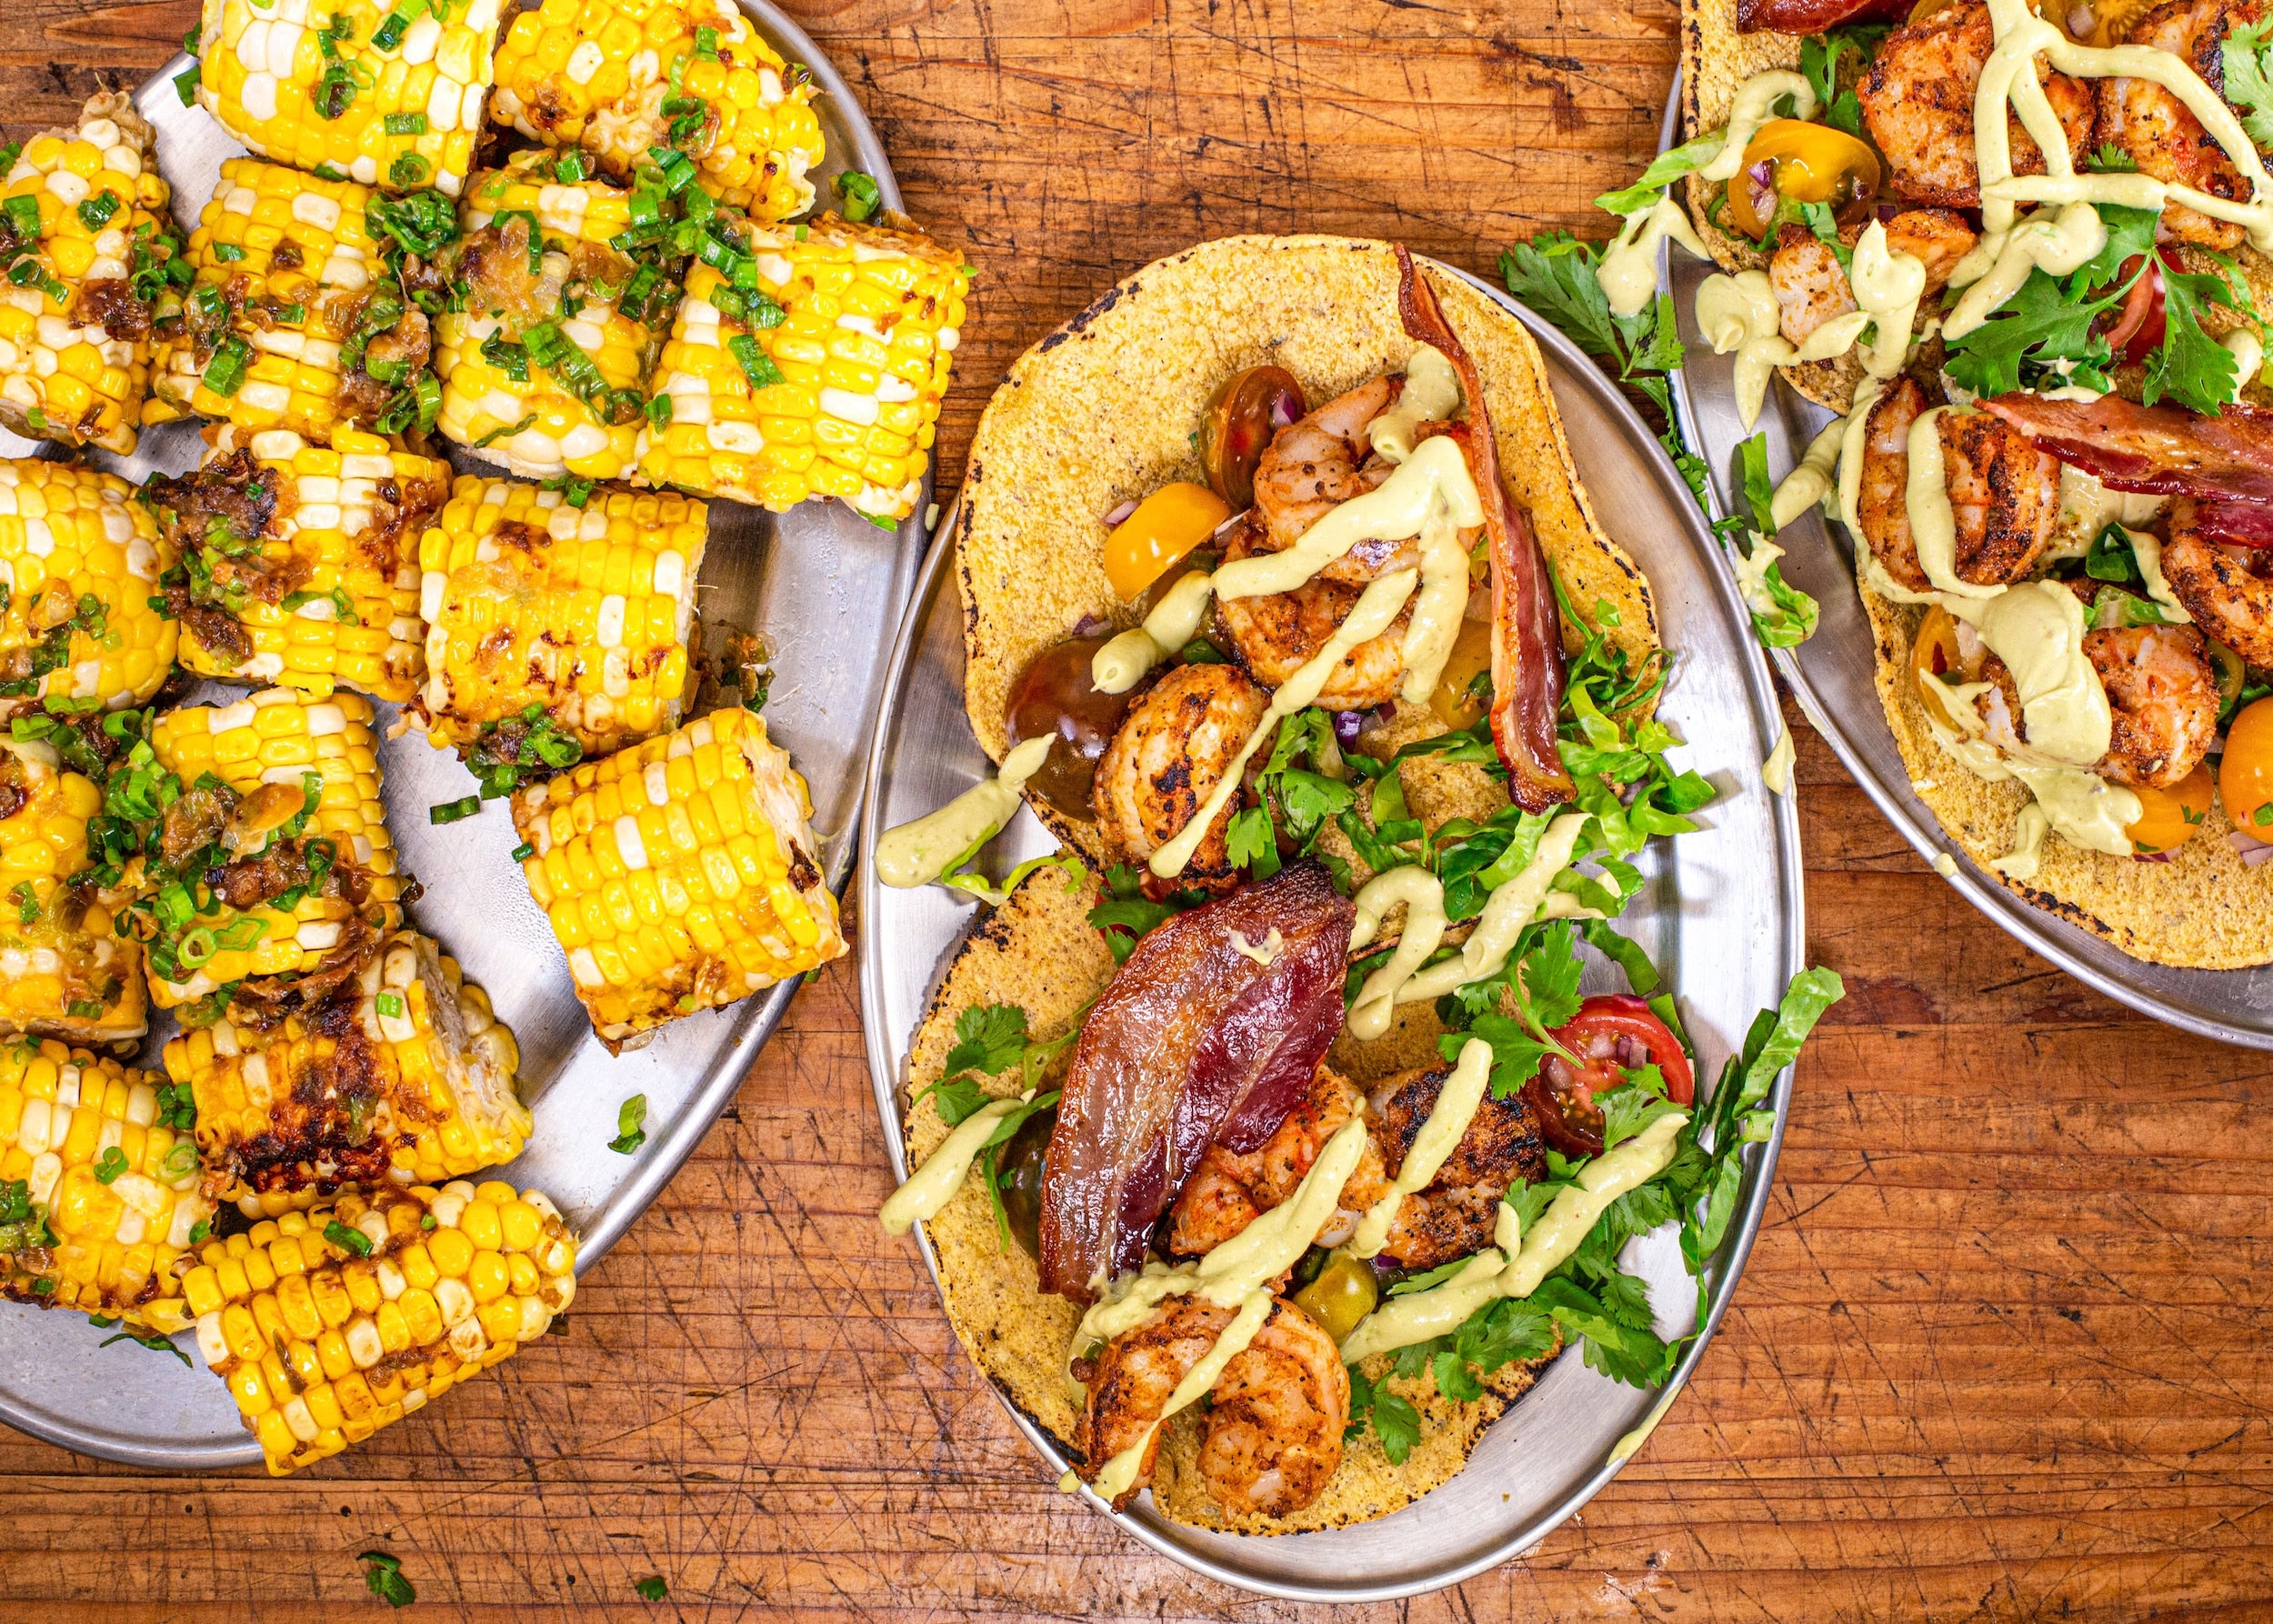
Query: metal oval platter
[[1834, 675], [821, 583], [1721, 913]]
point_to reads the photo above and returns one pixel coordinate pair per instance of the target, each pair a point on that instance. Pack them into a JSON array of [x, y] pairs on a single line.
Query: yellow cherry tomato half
[[1792, 161], [1455, 703], [2169, 817], [2245, 776], [1933, 656], [1167, 525]]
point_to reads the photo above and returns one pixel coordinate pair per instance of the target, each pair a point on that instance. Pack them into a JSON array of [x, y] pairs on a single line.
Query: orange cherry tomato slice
[[2171, 816], [1933, 655], [2245, 776], [1804, 163], [1471, 657], [1167, 525]]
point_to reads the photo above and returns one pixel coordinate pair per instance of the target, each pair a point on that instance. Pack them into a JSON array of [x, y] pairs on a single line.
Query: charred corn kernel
[[85, 235], [326, 596], [99, 1198], [341, 851], [65, 971], [306, 1392], [387, 94], [79, 564], [580, 613], [546, 369], [813, 368], [619, 76], [296, 320], [417, 1086], [679, 874]]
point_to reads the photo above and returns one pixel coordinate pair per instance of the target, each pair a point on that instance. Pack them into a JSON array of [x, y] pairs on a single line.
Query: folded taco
[[1264, 1141]]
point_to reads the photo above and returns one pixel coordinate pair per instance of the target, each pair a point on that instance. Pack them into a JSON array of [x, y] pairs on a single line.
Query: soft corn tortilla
[[2203, 909], [1038, 952], [1108, 408]]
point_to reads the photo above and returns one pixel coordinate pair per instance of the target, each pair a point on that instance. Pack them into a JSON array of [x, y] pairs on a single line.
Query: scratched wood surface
[[1998, 1351]]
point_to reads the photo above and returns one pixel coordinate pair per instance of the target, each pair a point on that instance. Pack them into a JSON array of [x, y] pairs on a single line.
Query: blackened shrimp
[[2229, 590], [2155, 128], [1811, 285], [1230, 1190], [1314, 466], [2003, 492], [1171, 751], [2164, 694], [1275, 636]]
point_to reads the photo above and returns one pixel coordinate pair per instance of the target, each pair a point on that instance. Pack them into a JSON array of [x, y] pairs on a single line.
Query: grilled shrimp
[[1454, 1215], [1276, 635], [1811, 285], [1229, 1190], [1314, 466], [2164, 694], [2005, 492], [1272, 1436], [2153, 127], [2227, 590], [1171, 751], [1918, 104]]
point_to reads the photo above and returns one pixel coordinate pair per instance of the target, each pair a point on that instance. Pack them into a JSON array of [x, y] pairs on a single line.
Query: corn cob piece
[[331, 1324], [545, 369], [811, 366], [299, 562], [383, 95], [619, 76], [99, 1186], [679, 874], [303, 892], [580, 615], [63, 970], [297, 319], [86, 242], [79, 561], [404, 1077]]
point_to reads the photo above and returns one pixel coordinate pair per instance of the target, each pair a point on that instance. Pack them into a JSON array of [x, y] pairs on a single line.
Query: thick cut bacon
[[1814, 16], [2158, 450], [1193, 1043], [1526, 627]]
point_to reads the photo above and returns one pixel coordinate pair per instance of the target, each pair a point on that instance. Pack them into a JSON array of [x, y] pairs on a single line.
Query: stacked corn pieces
[[325, 876], [99, 1186], [580, 615], [679, 874], [79, 565], [294, 320], [65, 972], [545, 367], [617, 77], [86, 237], [330, 1324], [384, 95], [811, 366], [301, 560], [408, 1078]]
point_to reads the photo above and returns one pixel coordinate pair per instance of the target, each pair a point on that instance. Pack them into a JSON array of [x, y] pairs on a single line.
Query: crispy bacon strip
[[2159, 450], [1192, 1043], [1526, 627], [1814, 16]]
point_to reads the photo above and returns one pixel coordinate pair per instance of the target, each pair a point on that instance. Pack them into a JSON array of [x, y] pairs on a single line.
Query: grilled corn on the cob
[[99, 1186], [303, 891], [85, 245], [79, 561], [679, 874], [546, 354], [65, 972], [300, 562], [617, 77], [388, 95], [331, 1324], [811, 365], [297, 318], [404, 1077], [579, 614]]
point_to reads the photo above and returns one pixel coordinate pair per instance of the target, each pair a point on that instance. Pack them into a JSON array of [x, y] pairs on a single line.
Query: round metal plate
[[824, 585], [1722, 912], [1834, 675]]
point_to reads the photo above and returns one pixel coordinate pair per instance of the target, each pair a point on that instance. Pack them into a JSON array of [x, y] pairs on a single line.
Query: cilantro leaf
[[1819, 61], [2246, 83], [1252, 842], [1395, 1421], [2189, 365], [382, 1576], [1434, 1277], [652, 1589], [2130, 235], [989, 1037], [1622, 1351], [2037, 326], [957, 1099], [1555, 274], [1633, 1105]]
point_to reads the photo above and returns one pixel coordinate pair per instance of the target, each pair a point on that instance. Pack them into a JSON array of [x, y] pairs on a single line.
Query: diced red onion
[[1089, 625], [2157, 857], [1385, 710], [1282, 411], [1113, 519], [1345, 726], [2253, 852]]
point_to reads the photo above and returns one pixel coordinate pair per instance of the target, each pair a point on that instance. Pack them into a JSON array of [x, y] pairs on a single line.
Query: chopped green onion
[[451, 811], [348, 1240], [707, 43], [227, 253], [502, 431], [406, 123], [225, 374], [185, 84], [388, 1003], [110, 1165], [861, 194], [391, 31], [756, 365], [569, 167], [524, 852], [630, 1132], [328, 171], [409, 170], [95, 212]]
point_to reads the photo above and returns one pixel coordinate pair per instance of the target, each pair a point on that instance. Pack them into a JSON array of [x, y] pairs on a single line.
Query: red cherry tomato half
[[1615, 1033], [2139, 324]]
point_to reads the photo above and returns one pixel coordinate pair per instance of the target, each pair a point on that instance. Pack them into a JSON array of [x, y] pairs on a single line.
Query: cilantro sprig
[[991, 1040]]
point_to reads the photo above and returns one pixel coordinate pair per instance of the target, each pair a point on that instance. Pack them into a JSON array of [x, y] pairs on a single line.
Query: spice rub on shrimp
[[1229, 1190], [1455, 1214], [1272, 1437], [2004, 493], [1917, 104], [2163, 692], [1275, 637], [1812, 286], [2155, 128], [2229, 590], [1314, 465], [1172, 749]]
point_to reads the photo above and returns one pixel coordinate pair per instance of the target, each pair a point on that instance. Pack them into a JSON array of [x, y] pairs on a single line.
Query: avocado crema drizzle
[[2034, 628]]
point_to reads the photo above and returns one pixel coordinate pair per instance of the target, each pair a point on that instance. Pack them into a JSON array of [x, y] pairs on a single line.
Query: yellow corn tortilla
[[1108, 408], [1038, 952]]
